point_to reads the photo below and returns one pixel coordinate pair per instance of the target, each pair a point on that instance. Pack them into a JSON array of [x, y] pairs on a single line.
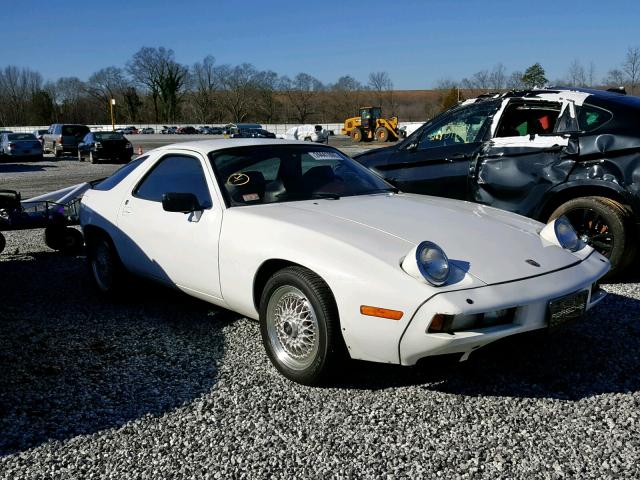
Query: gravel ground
[[159, 385]]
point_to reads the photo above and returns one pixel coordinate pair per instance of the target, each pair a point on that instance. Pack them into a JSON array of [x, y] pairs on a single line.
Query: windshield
[[108, 136], [285, 173], [21, 136]]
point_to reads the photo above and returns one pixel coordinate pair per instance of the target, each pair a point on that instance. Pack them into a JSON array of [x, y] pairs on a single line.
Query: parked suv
[[540, 153], [63, 138]]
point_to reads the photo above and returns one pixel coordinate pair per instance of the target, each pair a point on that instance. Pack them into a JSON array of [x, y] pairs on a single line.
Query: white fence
[[277, 128]]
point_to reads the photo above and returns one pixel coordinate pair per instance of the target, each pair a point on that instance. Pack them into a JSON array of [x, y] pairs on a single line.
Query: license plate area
[[568, 308]]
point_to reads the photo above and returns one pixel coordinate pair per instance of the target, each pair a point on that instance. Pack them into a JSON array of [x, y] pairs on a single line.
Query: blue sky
[[417, 42]]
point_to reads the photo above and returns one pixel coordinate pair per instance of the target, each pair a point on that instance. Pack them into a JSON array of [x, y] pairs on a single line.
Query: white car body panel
[[356, 244]]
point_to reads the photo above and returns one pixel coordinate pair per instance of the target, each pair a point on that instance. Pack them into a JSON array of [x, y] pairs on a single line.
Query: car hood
[[492, 245]]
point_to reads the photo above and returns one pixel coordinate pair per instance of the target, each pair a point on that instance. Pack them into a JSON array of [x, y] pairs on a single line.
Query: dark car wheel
[[105, 266], [63, 239], [605, 225], [300, 326]]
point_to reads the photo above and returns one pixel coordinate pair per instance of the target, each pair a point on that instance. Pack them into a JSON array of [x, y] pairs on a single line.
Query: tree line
[[153, 87]]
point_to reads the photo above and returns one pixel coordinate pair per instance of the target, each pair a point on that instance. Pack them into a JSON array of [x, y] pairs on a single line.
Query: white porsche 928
[[332, 260]]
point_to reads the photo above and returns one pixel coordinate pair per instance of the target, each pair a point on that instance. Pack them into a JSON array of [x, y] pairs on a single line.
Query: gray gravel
[[159, 385]]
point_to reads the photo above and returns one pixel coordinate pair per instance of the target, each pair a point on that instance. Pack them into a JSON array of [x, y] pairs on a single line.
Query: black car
[[253, 133], [539, 153], [187, 131], [111, 146]]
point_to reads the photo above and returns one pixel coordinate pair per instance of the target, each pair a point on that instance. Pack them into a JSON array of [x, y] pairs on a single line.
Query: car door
[[173, 247], [435, 160], [530, 153]]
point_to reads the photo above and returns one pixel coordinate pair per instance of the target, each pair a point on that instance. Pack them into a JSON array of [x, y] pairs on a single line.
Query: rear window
[[108, 136], [75, 130], [591, 117], [21, 136], [119, 175]]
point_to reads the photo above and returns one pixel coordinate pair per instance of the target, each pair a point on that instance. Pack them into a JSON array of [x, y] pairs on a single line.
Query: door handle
[[126, 210]]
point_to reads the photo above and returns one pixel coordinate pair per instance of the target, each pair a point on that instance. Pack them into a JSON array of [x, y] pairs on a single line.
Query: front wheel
[[605, 225], [356, 135], [300, 326]]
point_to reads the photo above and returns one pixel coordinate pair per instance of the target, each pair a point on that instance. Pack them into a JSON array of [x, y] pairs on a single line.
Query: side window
[[591, 117], [521, 119], [175, 173], [119, 175], [467, 125]]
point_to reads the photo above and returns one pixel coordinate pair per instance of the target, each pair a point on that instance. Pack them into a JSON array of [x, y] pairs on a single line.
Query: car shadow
[[23, 167], [73, 364], [595, 356]]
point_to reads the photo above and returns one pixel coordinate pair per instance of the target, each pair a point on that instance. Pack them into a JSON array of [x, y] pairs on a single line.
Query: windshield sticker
[[251, 197], [325, 155], [238, 179]]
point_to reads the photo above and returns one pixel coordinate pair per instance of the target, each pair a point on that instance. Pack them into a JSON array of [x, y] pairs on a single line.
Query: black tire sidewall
[[316, 372], [615, 216]]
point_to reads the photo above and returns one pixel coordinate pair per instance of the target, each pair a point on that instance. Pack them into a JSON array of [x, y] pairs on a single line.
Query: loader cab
[[369, 116]]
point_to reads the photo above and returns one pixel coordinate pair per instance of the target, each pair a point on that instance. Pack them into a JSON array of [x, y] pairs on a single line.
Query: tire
[[108, 274], [63, 239], [356, 135], [288, 291], [382, 134], [605, 225], [3, 242]]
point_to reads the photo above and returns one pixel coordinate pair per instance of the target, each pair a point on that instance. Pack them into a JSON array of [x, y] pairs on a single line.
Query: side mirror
[[180, 202]]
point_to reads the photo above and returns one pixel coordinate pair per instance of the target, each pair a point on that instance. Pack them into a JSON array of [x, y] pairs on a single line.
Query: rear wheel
[[356, 135], [105, 267], [382, 134], [605, 225], [300, 326]]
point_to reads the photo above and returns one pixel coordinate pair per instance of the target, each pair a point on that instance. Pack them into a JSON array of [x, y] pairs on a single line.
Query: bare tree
[[591, 74], [239, 89], [17, 87], [576, 76], [106, 84], [302, 93], [515, 82], [615, 78], [381, 84], [631, 67], [498, 77], [206, 83], [156, 70], [346, 97], [267, 103]]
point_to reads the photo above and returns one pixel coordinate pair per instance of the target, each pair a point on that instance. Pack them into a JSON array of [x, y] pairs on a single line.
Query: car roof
[[207, 146]]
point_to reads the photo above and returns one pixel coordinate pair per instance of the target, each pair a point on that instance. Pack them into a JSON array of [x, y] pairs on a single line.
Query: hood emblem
[[530, 261]]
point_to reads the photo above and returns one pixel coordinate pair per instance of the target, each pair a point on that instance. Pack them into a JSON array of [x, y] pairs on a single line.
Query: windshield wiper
[[380, 190], [332, 196]]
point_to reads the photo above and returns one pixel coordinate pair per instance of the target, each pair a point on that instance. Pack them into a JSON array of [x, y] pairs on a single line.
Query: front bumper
[[530, 297]]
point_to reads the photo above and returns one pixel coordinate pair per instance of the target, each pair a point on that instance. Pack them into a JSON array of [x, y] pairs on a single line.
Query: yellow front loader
[[371, 125]]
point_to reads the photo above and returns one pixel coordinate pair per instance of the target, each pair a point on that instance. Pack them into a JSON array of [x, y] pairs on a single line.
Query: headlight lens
[[566, 234], [427, 261]]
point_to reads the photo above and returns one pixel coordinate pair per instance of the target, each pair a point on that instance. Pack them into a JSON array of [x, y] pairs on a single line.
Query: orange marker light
[[380, 312]]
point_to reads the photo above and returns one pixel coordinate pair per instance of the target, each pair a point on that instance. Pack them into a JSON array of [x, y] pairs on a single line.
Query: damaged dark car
[[540, 153]]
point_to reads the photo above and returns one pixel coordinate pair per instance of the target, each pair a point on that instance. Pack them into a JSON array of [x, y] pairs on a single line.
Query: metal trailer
[[57, 212]]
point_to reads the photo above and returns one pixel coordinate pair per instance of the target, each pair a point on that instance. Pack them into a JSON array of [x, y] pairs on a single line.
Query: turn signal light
[[440, 323], [380, 312]]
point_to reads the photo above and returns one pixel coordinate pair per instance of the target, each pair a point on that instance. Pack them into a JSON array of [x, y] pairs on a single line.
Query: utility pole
[[112, 104]]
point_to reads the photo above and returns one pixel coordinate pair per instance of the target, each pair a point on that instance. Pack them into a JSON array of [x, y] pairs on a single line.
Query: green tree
[[534, 76]]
